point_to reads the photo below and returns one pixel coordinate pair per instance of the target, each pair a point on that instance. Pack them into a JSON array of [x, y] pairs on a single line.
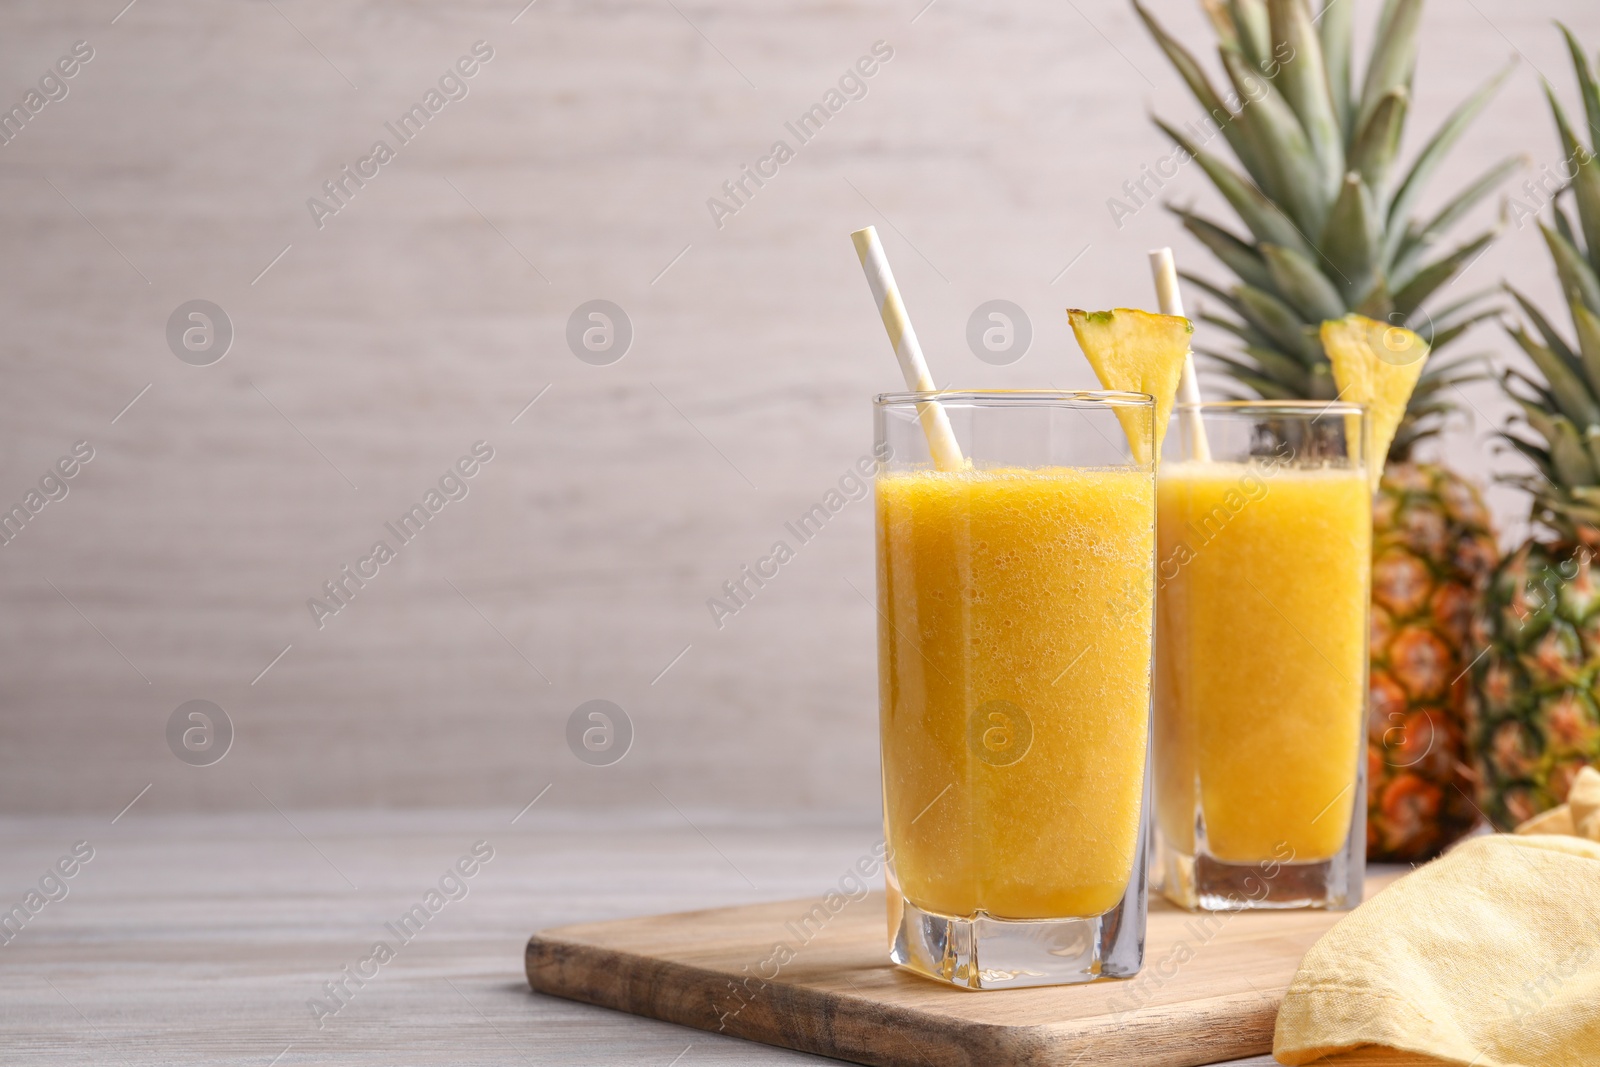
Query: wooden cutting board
[[1209, 990]]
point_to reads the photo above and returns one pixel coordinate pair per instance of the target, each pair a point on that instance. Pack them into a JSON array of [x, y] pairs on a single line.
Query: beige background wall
[[423, 316]]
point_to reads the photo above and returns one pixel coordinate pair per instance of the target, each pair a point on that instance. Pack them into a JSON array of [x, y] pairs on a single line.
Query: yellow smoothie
[[1014, 669], [1262, 587]]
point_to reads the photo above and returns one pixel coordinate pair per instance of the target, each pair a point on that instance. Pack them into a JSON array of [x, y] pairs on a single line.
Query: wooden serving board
[[1209, 990]]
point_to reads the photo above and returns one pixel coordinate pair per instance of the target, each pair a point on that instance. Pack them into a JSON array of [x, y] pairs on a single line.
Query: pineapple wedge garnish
[[1137, 352], [1377, 365]]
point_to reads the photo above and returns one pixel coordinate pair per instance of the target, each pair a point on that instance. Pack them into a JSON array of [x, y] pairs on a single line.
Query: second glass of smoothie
[[1262, 576]]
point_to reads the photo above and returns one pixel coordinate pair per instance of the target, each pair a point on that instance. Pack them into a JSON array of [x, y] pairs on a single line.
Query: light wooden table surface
[[199, 939]]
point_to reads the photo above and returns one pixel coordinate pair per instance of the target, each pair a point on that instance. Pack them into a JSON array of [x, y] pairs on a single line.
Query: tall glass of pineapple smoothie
[[1262, 576], [1015, 618]]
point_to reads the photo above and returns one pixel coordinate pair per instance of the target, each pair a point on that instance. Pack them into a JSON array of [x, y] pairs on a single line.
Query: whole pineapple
[[1535, 720], [1432, 554], [1328, 229]]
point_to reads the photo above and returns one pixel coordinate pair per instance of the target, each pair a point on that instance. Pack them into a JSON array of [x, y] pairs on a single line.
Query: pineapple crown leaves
[[1560, 400], [1326, 209]]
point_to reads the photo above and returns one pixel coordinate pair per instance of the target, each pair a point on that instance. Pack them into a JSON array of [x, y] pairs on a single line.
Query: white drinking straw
[[935, 423], [1166, 276]]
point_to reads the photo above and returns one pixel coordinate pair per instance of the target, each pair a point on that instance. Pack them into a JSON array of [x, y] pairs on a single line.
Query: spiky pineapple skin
[[1433, 551], [1535, 721], [1372, 252]]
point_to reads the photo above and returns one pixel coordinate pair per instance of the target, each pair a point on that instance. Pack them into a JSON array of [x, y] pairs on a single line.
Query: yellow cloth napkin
[[1486, 957], [1580, 815]]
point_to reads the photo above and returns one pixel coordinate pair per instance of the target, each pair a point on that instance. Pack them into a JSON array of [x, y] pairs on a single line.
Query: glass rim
[[1069, 398], [1280, 407]]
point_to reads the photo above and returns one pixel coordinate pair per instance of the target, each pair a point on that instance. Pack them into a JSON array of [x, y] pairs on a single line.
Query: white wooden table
[[200, 939]]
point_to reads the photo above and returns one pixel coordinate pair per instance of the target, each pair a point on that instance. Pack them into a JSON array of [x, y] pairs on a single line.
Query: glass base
[[1204, 883], [982, 952]]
